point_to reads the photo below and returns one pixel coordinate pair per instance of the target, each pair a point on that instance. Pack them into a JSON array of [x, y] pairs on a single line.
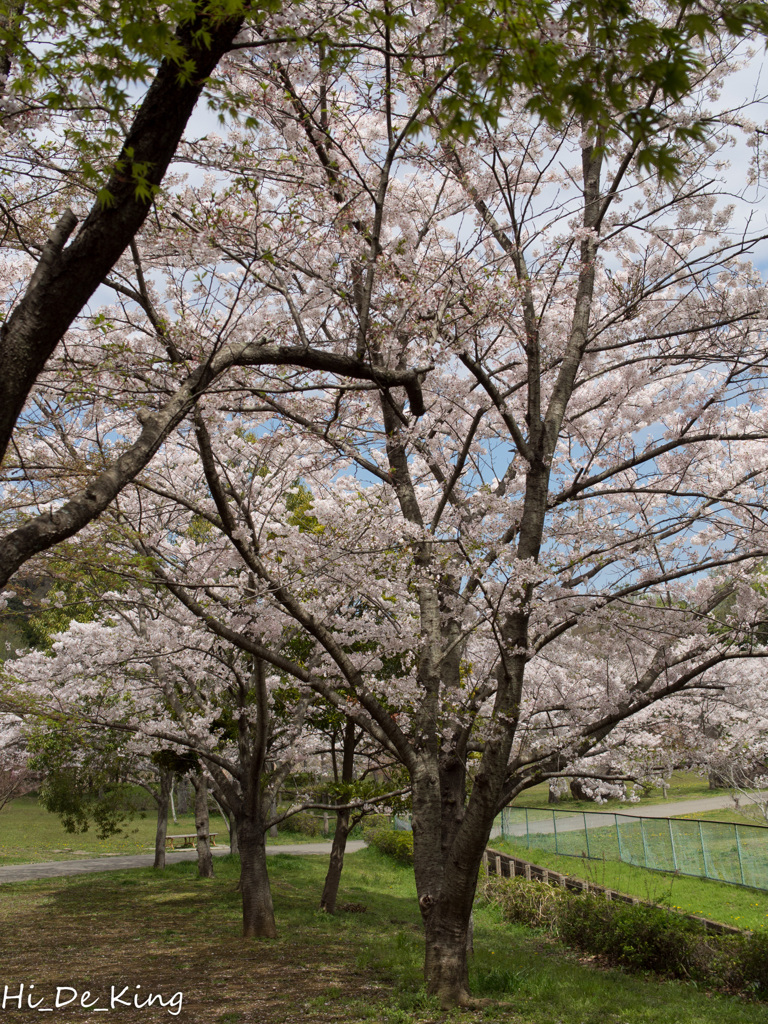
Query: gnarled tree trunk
[[449, 842]]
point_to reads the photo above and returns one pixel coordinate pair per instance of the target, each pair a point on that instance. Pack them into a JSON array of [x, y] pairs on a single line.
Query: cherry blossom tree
[[177, 700], [47, 283], [593, 444], [502, 580], [150, 678]]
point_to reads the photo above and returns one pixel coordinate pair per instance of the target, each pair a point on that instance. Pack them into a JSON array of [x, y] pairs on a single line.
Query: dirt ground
[[94, 938]]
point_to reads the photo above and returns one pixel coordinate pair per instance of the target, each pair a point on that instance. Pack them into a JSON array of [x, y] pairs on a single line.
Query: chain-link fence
[[707, 849]]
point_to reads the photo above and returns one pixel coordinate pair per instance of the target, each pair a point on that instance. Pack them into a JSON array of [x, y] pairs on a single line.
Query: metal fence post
[[586, 834], [618, 836], [703, 852], [672, 843], [738, 847], [645, 844], [554, 827], [527, 832]]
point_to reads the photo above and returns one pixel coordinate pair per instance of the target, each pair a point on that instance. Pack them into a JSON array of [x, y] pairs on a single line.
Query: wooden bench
[[189, 840]]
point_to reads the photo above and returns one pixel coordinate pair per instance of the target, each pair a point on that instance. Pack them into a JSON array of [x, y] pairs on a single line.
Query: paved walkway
[[669, 809], [57, 869]]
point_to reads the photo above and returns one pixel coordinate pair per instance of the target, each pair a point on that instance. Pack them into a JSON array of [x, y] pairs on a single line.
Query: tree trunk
[[446, 967], [448, 845], [258, 913], [163, 800], [333, 877], [273, 814], [203, 827], [182, 803], [233, 847]]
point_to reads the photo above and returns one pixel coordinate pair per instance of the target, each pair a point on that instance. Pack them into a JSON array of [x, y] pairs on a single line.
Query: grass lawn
[[30, 835], [171, 932], [683, 786], [731, 904]]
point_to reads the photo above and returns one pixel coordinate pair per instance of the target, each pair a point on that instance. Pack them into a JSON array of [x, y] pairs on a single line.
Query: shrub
[[746, 964], [533, 903], [376, 822], [639, 937], [378, 832], [304, 824]]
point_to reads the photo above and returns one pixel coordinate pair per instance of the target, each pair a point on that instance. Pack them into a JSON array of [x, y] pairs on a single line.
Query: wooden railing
[[506, 866]]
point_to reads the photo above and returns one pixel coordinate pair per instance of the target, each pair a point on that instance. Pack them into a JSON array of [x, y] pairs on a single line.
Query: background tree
[[16, 778], [147, 686]]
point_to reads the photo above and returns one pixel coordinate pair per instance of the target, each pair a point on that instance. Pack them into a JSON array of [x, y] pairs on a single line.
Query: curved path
[[56, 869]]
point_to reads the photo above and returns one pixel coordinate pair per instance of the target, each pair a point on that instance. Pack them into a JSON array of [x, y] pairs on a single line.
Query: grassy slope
[[172, 932], [731, 904], [30, 835]]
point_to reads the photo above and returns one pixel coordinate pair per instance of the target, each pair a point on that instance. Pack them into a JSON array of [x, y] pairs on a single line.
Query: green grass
[[730, 904], [172, 932], [683, 786], [30, 835]]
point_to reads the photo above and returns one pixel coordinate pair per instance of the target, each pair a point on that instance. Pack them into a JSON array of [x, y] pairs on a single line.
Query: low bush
[[303, 824], [746, 964], [533, 903], [378, 832], [638, 937]]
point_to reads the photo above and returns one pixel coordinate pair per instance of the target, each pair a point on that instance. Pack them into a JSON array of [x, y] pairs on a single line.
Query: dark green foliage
[[746, 964], [85, 773], [638, 937], [108, 807], [303, 824], [379, 833]]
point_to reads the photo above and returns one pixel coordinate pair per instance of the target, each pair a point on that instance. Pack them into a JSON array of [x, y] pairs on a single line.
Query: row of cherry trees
[[499, 501]]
